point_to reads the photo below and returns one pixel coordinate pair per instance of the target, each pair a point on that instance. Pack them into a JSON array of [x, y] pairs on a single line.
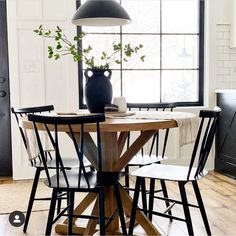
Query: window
[[172, 32]]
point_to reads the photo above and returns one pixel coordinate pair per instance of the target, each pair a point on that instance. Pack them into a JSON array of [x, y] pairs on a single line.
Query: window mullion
[[160, 50], [121, 65]]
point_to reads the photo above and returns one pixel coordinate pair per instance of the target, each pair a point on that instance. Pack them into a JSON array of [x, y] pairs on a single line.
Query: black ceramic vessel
[[98, 89]]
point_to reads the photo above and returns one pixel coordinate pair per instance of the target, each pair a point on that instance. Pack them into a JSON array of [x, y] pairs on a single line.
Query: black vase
[[98, 89]]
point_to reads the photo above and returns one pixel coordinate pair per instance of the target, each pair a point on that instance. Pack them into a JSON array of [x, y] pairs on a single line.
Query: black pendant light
[[101, 13]]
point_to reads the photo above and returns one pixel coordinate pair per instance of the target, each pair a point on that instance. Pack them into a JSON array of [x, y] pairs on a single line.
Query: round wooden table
[[114, 132]]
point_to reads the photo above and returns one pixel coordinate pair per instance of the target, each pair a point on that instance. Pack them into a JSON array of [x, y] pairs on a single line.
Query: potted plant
[[98, 88]]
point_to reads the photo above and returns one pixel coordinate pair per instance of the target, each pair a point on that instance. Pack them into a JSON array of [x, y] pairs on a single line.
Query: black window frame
[[200, 69]]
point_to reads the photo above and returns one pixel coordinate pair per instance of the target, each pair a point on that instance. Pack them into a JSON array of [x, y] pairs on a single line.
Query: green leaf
[[87, 50], [106, 66], [72, 47], [79, 57], [104, 56], [82, 34], [117, 47], [48, 33], [58, 46], [57, 56], [58, 37], [75, 58], [77, 38], [58, 29]]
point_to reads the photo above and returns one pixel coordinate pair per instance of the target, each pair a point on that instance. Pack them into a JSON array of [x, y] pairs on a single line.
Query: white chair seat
[[166, 172], [139, 160]]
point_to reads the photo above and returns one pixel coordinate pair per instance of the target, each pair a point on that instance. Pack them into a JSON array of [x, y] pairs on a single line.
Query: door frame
[[5, 115]]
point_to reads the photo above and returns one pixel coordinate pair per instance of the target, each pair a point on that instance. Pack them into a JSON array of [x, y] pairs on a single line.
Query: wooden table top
[[115, 125]]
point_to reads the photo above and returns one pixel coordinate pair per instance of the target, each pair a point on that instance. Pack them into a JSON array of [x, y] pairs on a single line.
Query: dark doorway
[[5, 117]]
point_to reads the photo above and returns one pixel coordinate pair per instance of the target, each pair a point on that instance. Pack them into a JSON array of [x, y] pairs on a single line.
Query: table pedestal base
[[113, 228]]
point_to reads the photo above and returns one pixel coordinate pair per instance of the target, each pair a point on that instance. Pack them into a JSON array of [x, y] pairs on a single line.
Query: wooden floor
[[219, 194]]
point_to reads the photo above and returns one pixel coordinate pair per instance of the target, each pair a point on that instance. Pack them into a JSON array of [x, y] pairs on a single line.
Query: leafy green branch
[[63, 46]]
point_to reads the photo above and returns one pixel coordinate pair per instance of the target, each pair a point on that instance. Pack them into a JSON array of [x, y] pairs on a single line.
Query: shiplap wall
[[34, 79]]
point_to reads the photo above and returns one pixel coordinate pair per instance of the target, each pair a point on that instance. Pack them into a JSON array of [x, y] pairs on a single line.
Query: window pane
[[101, 43], [180, 86], [180, 16], [151, 50], [179, 51], [141, 86], [94, 29], [145, 16], [115, 81]]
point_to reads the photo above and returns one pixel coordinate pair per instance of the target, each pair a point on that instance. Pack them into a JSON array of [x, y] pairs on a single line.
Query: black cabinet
[[225, 161]]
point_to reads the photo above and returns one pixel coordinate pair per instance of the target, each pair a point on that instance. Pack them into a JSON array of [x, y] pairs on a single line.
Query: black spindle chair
[[181, 174], [157, 150], [36, 161], [78, 179]]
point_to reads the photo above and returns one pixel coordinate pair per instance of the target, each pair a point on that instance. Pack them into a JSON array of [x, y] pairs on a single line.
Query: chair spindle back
[[72, 125], [155, 139], [209, 120], [21, 112]]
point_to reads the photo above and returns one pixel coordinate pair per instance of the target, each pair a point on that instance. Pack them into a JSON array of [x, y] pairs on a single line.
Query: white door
[[35, 79]]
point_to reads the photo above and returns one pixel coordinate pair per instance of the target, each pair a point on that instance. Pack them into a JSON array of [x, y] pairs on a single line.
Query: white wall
[[36, 80], [222, 9], [223, 57]]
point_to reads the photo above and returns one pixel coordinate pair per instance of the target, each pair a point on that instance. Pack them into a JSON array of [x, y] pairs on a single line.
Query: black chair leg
[[201, 206], [144, 196], [186, 208], [71, 197], [165, 194], [102, 224], [134, 205], [151, 198], [120, 209], [32, 197], [127, 177], [59, 203], [51, 212]]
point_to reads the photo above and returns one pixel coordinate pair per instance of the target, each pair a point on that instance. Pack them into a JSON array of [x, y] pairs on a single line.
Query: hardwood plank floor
[[218, 192]]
